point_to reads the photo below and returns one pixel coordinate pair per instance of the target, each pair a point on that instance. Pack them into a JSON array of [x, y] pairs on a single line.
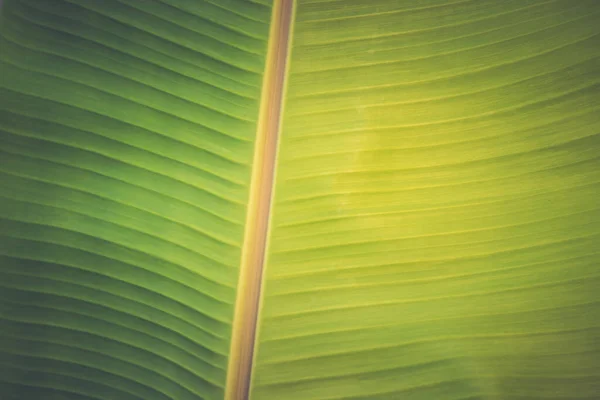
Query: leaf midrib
[[247, 306]]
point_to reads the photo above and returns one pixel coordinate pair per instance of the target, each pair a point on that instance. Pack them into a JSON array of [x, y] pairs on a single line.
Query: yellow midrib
[[259, 206]]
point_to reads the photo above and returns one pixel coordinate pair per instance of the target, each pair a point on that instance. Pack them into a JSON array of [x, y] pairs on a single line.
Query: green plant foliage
[[435, 232], [127, 135], [436, 225]]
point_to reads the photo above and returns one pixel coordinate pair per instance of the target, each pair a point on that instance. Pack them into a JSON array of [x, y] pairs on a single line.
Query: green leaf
[[434, 229], [127, 136], [435, 232]]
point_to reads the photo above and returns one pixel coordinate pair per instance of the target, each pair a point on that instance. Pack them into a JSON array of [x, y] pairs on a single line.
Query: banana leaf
[[299, 200]]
